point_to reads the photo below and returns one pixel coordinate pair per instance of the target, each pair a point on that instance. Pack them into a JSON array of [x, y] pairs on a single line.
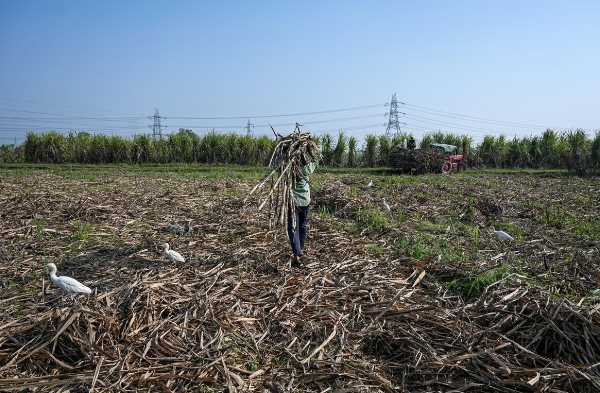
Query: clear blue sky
[[531, 62]]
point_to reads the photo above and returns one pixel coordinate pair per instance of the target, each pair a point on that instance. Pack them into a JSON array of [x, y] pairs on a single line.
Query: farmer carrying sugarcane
[[295, 157], [297, 220]]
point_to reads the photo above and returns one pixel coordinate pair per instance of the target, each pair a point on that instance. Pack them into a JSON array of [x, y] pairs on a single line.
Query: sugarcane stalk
[[284, 164], [286, 169]]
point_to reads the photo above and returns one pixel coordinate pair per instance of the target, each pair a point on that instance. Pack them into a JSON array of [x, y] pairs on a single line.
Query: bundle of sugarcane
[[290, 154], [417, 161]]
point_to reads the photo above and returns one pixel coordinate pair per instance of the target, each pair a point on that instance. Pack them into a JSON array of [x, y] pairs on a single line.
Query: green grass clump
[[82, 232], [370, 219], [416, 247], [375, 249], [326, 213], [556, 217], [252, 365], [474, 234], [38, 227], [353, 192], [472, 286], [587, 229], [426, 246], [430, 227], [560, 218], [582, 199]]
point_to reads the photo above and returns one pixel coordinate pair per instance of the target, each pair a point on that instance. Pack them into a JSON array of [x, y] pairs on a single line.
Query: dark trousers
[[298, 237]]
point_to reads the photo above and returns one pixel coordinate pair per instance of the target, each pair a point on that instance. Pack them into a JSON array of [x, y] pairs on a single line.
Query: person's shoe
[[296, 261]]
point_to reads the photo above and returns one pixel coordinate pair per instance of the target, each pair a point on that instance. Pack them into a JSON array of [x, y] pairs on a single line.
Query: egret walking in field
[[370, 184], [504, 236], [172, 254], [67, 284], [386, 206]]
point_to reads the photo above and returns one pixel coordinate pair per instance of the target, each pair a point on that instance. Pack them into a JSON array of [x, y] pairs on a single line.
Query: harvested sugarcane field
[[427, 296], [299, 196]]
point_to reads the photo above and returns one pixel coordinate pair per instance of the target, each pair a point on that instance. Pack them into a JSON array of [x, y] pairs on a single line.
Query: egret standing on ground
[[65, 283], [504, 236], [370, 184], [171, 254], [386, 206]]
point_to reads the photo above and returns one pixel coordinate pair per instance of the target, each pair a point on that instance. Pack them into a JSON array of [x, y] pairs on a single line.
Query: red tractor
[[453, 159]]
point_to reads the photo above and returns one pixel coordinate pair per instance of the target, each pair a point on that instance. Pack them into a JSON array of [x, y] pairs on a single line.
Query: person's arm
[[311, 167], [308, 169]]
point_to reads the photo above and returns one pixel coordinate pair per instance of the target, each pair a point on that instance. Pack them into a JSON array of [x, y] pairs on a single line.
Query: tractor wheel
[[447, 167]]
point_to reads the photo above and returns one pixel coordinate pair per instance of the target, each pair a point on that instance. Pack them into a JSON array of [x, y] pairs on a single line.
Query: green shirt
[[301, 188]]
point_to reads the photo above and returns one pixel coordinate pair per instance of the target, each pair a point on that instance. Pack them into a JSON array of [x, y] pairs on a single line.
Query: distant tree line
[[572, 150]]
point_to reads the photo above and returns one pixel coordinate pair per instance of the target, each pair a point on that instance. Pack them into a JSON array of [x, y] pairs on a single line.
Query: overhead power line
[[418, 117], [359, 127], [200, 126], [56, 116], [62, 106], [58, 120], [355, 108], [78, 128], [425, 128], [461, 116], [340, 119], [446, 123], [348, 109], [417, 108]]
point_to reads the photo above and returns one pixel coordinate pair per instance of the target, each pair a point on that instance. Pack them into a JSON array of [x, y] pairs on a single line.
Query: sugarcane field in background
[[575, 150]]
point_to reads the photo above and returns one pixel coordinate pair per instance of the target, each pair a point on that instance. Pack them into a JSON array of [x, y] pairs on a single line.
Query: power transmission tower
[[157, 127], [248, 130], [393, 123]]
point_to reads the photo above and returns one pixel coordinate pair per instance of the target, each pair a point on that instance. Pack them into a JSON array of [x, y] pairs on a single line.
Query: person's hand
[[313, 149], [303, 159]]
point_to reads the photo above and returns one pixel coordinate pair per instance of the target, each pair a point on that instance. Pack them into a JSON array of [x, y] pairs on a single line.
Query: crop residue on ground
[[422, 298]]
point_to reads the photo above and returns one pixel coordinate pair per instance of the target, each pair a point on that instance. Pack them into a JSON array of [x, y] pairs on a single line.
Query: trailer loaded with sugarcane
[[438, 157]]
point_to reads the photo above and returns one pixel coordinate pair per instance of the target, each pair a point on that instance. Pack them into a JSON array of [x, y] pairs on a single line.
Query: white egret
[[504, 236], [65, 283], [370, 184], [386, 206], [171, 254]]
